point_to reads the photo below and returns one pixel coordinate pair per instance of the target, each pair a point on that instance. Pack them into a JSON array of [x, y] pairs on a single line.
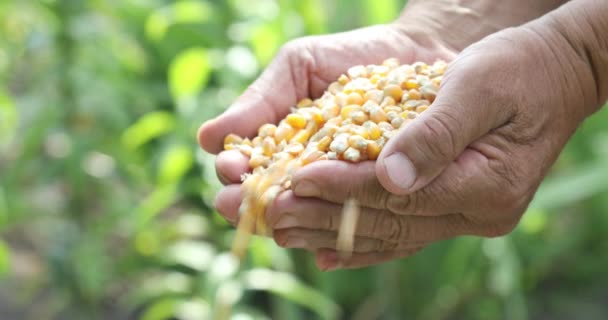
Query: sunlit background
[[105, 197]]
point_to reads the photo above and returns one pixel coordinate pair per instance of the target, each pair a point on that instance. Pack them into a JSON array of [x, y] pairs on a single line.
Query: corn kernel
[[378, 115], [411, 84], [352, 155], [358, 117], [267, 130], [304, 103], [373, 150], [232, 139], [323, 144], [346, 111], [393, 91], [358, 142], [269, 146], [301, 137], [297, 121], [354, 98], [422, 108], [343, 79]]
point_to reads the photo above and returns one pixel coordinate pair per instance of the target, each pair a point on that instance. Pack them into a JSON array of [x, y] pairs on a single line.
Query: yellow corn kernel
[[229, 146], [232, 139], [378, 115], [414, 94], [284, 133], [310, 156], [358, 117], [388, 101], [343, 79], [297, 121], [323, 144], [411, 84], [267, 130], [294, 148], [345, 112], [374, 132], [422, 108], [352, 155], [304, 103], [245, 149], [269, 146], [301, 137], [354, 98], [259, 161], [374, 79], [373, 150], [374, 95], [246, 141], [335, 87], [257, 141], [356, 141], [394, 91], [361, 131]]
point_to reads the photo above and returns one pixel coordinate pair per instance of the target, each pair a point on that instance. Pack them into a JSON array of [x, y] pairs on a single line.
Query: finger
[[336, 181], [329, 260], [289, 211], [312, 240], [227, 202], [267, 100], [421, 150], [230, 165]]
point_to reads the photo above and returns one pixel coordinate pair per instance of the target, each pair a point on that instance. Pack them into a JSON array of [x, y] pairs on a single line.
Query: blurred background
[[105, 197]]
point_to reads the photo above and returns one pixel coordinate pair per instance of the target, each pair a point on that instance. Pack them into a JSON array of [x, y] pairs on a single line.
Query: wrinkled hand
[[469, 165], [303, 68]]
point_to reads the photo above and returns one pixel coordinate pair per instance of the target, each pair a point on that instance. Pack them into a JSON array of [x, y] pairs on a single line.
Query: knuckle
[[403, 204], [437, 135], [399, 230]]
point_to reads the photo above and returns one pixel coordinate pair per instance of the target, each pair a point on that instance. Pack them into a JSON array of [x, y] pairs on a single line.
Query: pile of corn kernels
[[352, 121]]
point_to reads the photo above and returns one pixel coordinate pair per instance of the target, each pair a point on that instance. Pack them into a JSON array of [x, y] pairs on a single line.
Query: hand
[[469, 165], [303, 68]]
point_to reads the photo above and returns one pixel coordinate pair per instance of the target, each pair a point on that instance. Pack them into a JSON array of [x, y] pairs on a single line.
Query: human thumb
[[422, 149]]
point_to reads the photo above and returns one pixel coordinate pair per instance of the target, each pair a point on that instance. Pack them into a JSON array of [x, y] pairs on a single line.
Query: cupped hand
[[303, 68], [469, 165]]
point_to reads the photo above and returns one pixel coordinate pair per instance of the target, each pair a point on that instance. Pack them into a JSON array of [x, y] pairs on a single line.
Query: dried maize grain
[[351, 121]]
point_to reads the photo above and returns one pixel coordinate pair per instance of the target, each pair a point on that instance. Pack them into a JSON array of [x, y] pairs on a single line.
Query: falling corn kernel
[[351, 121]]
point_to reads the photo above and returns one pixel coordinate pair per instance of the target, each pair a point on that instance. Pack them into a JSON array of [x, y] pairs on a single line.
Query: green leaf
[[162, 309], [288, 287], [148, 127], [160, 199], [377, 12], [569, 189], [265, 41], [180, 12], [4, 259], [188, 73], [8, 116], [175, 164]]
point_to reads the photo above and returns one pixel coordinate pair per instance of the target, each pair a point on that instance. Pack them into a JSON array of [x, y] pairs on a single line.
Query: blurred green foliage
[[106, 200]]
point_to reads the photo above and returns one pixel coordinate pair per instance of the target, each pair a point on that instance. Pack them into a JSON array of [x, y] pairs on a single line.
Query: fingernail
[[400, 170], [296, 243], [306, 188], [286, 221]]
